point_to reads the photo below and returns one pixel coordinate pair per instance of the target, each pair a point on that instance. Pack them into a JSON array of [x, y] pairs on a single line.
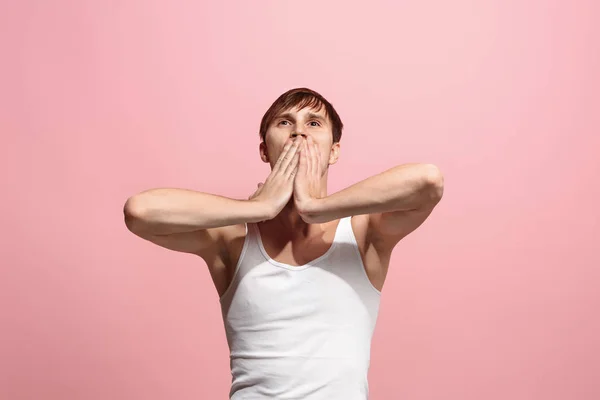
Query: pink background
[[495, 297]]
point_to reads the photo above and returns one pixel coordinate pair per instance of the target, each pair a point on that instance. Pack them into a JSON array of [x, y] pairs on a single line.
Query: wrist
[[263, 210], [309, 209]]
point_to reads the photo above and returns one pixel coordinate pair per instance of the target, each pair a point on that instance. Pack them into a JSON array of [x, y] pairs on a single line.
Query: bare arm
[[165, 211], [406, 187], [196, 222], [398, 201]]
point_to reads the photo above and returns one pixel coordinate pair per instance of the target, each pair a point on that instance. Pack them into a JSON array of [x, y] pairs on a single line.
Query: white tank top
[[300, 332]]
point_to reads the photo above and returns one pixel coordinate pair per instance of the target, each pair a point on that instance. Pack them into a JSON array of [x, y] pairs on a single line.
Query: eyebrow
[[316, 116], [308, 116]]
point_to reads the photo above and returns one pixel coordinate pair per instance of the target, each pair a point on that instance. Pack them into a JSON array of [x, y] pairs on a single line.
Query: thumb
[[256, 191]]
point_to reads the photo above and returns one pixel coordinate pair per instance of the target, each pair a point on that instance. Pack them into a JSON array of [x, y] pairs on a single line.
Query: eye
[[281, 122], [315, 122]]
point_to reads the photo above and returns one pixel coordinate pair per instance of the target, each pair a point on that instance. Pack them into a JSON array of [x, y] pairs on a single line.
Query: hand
[[277, 190], [253, 195], [307, 185]]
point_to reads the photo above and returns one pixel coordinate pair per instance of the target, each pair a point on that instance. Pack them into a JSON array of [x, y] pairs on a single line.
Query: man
[[299, 272]]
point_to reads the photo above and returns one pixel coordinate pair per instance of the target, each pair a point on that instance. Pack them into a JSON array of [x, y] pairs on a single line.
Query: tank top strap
[[344, 232], [252, 241], [250, 231]]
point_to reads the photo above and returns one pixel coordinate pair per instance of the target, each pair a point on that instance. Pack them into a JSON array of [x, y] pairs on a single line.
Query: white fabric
[[300, 332]]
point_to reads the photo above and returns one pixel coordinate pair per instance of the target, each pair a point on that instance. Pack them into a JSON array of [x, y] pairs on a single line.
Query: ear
[[264, 155], [334, 154]]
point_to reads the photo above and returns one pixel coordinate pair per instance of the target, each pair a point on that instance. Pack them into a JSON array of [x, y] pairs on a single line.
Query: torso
[[376, 262]]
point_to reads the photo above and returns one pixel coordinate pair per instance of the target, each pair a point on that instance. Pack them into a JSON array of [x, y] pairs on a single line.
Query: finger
[[304, 157], [295, 171], [288, 145], [289, 155], [256, 192], [311, 156], [303, 161], [316, 158], [292, 165], [292, 176]]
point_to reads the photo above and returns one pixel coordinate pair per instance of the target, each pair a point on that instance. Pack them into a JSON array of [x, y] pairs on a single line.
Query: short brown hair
[[301, 98]]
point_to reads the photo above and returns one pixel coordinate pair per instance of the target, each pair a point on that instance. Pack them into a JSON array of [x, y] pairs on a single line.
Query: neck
[[289, 219]]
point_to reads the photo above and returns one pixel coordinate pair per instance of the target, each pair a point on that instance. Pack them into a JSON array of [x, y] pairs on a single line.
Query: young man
[[299, 273]]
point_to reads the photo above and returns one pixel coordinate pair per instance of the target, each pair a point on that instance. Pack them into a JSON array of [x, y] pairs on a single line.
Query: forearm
[[405, 187], [164, 211]]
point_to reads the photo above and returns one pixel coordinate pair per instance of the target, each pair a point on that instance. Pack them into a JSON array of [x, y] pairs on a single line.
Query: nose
[[294, 134]]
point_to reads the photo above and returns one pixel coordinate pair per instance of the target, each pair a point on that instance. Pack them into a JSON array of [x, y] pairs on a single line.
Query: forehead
[[304, 112]]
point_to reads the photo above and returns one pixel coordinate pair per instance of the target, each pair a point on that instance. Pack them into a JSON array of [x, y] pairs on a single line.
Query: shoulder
[[386, 230], [375, 262], [360, 229], [233, 232], [366, 232], [233, 238], [220, 244]]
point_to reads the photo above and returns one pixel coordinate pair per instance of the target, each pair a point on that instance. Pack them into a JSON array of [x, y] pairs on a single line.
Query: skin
[[317, 150], [295, 214], [385, 207]]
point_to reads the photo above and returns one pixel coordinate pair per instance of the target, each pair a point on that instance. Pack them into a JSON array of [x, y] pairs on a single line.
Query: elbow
[[434, 183], [133, 214]]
